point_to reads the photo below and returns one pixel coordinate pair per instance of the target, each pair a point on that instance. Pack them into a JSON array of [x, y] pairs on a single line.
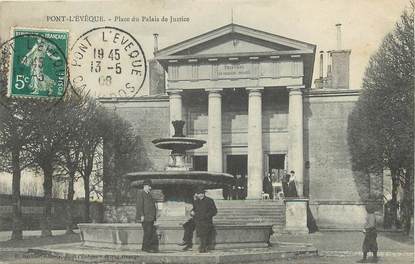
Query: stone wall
[[343, 214], [32, 210], [337, 193]]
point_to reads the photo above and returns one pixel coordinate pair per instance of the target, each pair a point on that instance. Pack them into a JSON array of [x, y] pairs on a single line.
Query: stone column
[[214, 142], [215, 131], [255, 153], [176, 108], [295, 130]]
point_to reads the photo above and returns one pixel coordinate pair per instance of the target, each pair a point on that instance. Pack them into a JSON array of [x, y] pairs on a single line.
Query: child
[[369, 243]]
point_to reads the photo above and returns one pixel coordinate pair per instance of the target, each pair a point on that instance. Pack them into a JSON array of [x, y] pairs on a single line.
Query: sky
[[364, 22]]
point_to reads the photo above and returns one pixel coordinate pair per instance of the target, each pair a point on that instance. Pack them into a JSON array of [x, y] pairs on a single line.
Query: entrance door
[[237, 165], [276, 167], [276, 162]]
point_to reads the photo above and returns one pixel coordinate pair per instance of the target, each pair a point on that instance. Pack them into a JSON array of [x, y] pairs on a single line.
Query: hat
[[147, 182], [200, 189]]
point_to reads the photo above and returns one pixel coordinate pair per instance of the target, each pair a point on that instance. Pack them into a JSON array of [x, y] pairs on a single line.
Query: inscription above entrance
[[226, 71]]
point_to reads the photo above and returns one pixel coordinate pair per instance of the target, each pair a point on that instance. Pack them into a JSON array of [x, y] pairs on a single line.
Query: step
[[250, 212], [250, 219], [250, 205]]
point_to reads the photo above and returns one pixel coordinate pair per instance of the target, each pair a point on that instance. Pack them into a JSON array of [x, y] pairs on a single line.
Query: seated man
[[189, 228]]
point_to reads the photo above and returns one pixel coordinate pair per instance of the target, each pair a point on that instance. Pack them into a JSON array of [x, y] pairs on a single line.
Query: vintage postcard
[[195, 131]]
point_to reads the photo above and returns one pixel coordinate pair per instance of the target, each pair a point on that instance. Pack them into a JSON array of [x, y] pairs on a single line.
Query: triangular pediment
[[233, 43], [234, 39]]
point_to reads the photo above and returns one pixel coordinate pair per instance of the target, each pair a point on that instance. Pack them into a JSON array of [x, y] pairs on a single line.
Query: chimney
[[339, 36], [328, 63], [156, 42], [319, 83], [157, 73], [340, 64], [321, 63]]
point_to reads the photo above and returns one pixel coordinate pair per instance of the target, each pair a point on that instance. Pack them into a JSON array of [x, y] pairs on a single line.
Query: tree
[[92, 128], [381, 127], [125, 153], [15, 134], [70, 157], [48, 128]]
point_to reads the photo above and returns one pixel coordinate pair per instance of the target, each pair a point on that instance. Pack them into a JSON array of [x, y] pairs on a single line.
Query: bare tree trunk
[[71, 192], [407, 203], [86, 204], [17, 233], [47, 209], [394, 201]]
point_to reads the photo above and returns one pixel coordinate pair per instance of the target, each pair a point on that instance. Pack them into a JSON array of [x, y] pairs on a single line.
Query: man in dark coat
[[146, 213], [267, 186], [241, 184], [292, 189], [285, 180], [203, 211]]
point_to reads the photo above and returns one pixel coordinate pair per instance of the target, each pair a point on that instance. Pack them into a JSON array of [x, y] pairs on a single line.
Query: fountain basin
[[129, 236], [168, 179]]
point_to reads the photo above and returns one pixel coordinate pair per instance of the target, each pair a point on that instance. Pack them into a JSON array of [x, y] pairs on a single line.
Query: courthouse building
[[248, 94]]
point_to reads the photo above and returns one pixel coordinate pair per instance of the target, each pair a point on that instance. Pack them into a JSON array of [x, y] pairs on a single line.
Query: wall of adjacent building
[[338, 194], [149, 117]]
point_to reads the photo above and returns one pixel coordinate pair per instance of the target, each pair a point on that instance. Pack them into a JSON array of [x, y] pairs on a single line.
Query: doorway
[[237, 165], [276, 162]]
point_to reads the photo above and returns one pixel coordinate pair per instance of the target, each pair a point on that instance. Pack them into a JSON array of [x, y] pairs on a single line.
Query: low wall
[[32, 210], [124, 213], [343, 214]]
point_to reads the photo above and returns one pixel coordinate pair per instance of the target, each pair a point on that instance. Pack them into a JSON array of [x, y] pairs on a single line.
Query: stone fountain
[[177, 184]]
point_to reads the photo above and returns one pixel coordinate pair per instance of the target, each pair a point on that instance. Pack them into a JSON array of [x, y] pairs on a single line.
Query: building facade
[[248, 94]]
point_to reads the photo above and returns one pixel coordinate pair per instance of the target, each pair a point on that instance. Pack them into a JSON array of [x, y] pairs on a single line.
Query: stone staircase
[[250, 211]]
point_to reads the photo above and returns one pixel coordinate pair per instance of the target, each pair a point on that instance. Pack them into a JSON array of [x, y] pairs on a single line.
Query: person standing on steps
[[203, 211], [146, 213], [267, 186], [292, 189], [285, 179]]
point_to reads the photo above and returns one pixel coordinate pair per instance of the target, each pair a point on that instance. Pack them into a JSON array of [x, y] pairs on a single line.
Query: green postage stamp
[[38, 66]]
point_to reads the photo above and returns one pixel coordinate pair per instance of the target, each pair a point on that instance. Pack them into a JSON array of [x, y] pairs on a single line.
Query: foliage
[[381, 127]]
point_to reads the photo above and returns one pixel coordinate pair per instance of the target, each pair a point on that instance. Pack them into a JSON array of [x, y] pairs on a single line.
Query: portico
[[221, 66]]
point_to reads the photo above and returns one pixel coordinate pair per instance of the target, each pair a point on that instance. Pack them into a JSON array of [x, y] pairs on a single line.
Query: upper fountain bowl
[[178, 143]]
